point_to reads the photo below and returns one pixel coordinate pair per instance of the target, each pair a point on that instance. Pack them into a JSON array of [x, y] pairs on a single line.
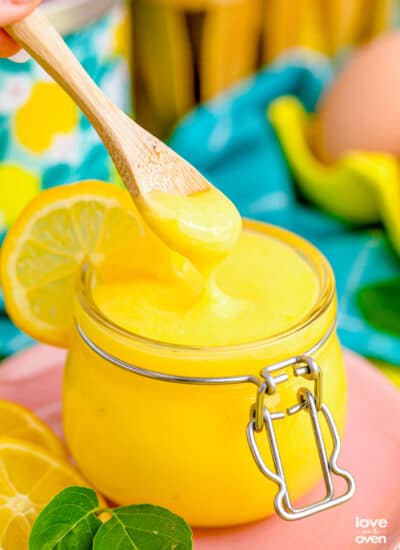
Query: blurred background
[[188, 51], [263, 97]]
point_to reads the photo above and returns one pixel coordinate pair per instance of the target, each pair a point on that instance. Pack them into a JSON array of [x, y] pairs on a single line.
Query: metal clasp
[[311, 403], [260, 417]]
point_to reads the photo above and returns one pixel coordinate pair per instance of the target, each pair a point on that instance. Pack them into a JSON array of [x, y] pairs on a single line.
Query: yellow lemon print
[[17, 189], [48, 112]]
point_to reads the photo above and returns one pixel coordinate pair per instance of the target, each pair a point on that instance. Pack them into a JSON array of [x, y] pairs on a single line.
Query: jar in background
[[187, 51]]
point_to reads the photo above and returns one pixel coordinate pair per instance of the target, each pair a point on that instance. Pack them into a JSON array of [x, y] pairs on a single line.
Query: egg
[[361, 110]]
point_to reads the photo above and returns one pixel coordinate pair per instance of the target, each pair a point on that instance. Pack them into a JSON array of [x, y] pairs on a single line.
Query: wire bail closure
[[261, 417], [310, 402]]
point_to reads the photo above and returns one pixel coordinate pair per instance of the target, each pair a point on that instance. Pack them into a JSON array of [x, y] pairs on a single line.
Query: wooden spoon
[[144, 162]]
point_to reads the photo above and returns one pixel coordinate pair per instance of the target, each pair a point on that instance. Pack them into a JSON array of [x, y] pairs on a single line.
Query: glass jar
[[142, 432]]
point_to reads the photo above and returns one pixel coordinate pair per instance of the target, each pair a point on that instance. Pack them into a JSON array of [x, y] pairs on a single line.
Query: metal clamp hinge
[[310, 402]]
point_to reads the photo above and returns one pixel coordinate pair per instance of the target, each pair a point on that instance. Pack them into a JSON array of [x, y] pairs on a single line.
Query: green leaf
[[68, 522], [143, 527], [380, 305]]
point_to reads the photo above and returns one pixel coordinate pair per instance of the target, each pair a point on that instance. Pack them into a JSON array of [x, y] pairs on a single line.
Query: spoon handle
[[41, 40]]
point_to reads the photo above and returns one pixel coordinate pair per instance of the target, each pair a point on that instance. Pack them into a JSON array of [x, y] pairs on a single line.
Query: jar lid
[[71, 15]]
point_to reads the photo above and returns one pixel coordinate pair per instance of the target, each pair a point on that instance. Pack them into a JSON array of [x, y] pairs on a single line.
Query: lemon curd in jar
[[140, 440]]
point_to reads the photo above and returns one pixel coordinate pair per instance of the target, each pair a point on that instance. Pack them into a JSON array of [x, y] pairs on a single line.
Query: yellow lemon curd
[[246, 299], [203, 227], [256, 297]]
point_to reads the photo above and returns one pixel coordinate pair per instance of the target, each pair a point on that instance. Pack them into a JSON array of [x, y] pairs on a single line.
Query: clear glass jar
[[183, 446]]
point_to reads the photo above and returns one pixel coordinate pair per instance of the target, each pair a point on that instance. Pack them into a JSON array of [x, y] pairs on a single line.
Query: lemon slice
[[58, 231], [29, 479], [18, 422]]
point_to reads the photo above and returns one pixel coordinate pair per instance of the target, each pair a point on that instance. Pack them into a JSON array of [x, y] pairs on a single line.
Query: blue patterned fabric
[[231, 141]]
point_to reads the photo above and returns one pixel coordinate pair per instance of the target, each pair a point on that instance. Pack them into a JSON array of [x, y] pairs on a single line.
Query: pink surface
[[34, 378], [370, 450]]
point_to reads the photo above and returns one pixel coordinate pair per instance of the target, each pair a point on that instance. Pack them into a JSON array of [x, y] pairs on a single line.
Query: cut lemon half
[[57, 232], [29, 479], [18, 422]]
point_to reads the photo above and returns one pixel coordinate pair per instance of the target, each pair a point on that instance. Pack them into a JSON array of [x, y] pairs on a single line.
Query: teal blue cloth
[[11, 339], [231, 141]]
